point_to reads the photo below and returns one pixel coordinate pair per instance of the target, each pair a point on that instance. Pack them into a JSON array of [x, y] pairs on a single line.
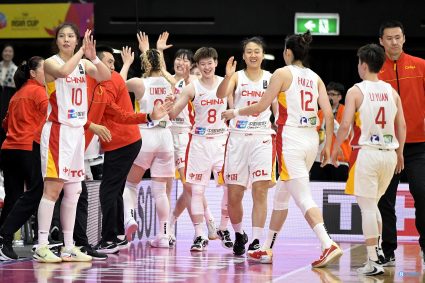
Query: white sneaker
[[172, 239], [160, 242], [74, 254], [371, 268], [199, 244], [212, 230], [130, 227], [44, 254]]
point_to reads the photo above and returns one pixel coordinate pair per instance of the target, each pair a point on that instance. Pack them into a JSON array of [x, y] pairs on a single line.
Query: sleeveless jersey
[[374, 122], [247, 93], [156, 89], [298, 105], [68, 97], [185, 118], [208, 110]]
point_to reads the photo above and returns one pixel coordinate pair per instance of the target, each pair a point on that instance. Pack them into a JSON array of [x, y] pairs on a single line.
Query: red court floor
[[141, 263]]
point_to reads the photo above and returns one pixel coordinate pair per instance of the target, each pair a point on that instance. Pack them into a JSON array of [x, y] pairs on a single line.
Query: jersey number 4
[[380, 117]]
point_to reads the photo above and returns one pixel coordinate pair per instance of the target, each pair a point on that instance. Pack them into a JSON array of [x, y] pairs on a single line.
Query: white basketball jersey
[[68, 97], [185, 117], [156, 90], [374, 125], [208, 110], [247, 93], [298, 105]]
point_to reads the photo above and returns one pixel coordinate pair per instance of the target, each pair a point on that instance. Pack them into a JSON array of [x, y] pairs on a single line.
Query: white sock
[[257, 233], [323, 235], [270, 240], [173, 220], [44, 217], [130, 200], [162, 205], [223, 222], [371, 252], [199, 231], [207, 213], [71, 194], [237, 227]]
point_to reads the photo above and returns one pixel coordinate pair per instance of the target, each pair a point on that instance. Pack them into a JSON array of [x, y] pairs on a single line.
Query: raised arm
[[161, 44], [127, 57], [230, 81], [400, 132], [96, 69], [188, 93]]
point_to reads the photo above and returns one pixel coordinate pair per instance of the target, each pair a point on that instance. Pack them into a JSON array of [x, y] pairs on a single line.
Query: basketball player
[[205, 151], [299, 91], [62, 140], [378, 142], [250, 147]]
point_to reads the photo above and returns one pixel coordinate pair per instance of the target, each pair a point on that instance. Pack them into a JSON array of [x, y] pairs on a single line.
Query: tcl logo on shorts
[[73, 173], [259, 173], [179, 161]]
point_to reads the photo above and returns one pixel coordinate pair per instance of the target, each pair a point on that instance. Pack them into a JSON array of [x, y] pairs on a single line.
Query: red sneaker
[[263, 256], [330, 254]]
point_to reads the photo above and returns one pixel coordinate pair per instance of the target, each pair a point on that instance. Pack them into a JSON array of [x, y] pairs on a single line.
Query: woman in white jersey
[[250, 147], [180, 128], [62, 139], [205, 151], [298, 90], [378, 142], [157, 151]]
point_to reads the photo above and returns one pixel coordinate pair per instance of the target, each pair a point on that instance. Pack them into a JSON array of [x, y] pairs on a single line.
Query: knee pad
[[301, 193], [370, 217], [197, 203], [281, 197], [71, 192], [159, 190]]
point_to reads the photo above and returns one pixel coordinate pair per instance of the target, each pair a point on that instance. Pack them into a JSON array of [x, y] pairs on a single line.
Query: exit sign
[[318, 24]]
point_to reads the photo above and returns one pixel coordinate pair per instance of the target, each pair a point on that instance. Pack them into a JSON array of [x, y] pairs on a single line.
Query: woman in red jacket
[[27, 109]]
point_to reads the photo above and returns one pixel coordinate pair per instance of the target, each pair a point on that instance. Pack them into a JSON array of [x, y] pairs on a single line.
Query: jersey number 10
[[77, 96]]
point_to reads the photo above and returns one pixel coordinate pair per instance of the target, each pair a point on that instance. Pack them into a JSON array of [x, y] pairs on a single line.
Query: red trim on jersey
[[191, 113], [186, 157], [278, 146], [353, 158], [274, 155], [53, 116], [224, 160], [356, 136], [54, 144], [283, 115]]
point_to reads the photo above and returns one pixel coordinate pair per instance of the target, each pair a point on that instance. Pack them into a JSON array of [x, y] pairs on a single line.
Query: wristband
[[148, 117], [96, 61], [236, 112]]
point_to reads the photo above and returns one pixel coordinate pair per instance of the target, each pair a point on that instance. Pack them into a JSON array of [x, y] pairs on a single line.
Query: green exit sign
[[318, 24]]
